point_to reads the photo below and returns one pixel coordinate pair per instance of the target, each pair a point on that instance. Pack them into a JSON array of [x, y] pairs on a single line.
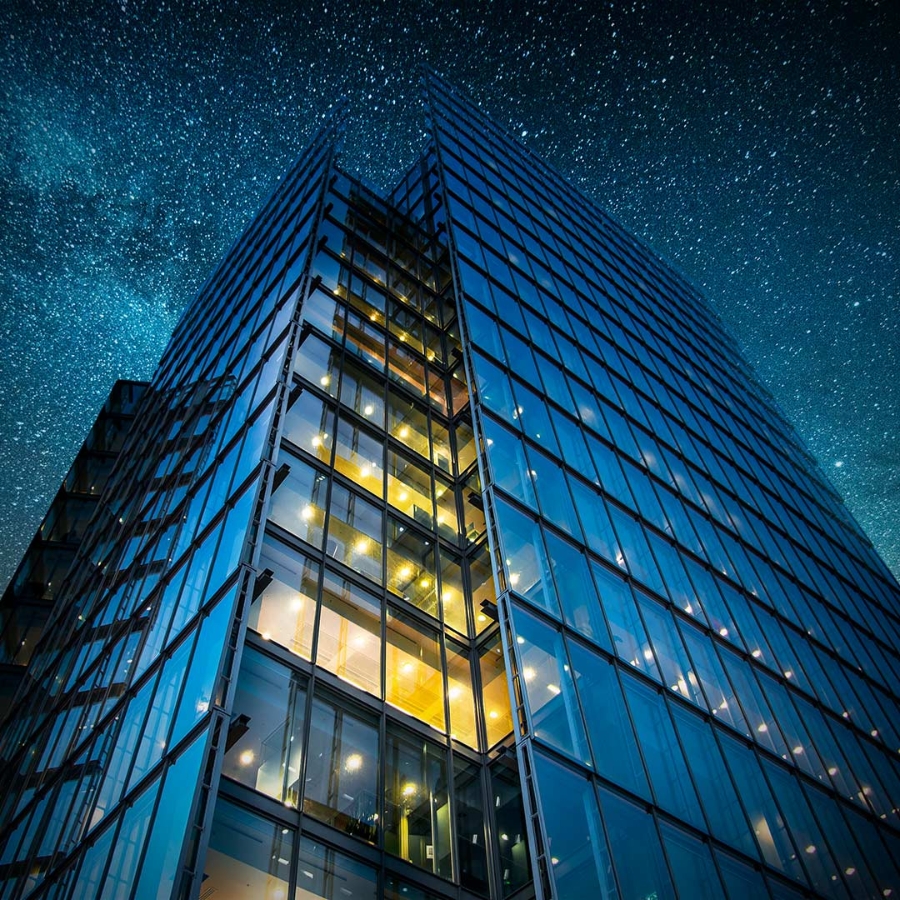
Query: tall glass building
[[454, 552]]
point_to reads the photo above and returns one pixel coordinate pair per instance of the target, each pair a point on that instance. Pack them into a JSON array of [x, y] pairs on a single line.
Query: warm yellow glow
[[353, 763], [405, 572], [362, 545], [494, 714], [424, 583], [409, 789], [307, 513], [455, 692], [403, 432], [447, 597], [246, 758], [406, 668], [481, 618], [325, 380], [403, 496]]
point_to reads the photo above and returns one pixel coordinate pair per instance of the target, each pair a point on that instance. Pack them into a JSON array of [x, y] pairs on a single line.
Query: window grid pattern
[[692, 610]]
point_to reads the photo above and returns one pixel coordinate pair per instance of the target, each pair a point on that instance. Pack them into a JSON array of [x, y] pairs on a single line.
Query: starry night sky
[[754, 145]]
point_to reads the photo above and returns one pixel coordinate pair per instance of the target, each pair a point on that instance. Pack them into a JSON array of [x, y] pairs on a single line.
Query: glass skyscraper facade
[[454, 552]]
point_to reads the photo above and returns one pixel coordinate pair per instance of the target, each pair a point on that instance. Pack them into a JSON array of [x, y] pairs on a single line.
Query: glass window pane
[[298, 502], [575, 589], [635, 849], [319, 363], [246, 850], [411, 566], [509, 825], [484, 593], [354, 532], [615, 748], [363, 393], [284, 611], [359, 454], [717, 794], [409, 489], [342, 769], [417, 802], [549, 686], [670, 653], [463, 725], [578, 853], [692, 865], [414, 680], [159, 868], [309, 424], [509, 465], [769, 827], [494, 691], [529, 571], [349, 638], [324, 873], [265, 735], [629, 638], [663, 757], [409, 425], [453, 600], [470, 827]]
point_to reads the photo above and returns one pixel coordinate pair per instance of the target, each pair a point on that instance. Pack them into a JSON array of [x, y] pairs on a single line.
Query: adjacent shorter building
[[454, 552]]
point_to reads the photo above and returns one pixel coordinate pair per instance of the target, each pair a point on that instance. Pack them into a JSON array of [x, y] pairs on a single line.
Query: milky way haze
[[754, 148]]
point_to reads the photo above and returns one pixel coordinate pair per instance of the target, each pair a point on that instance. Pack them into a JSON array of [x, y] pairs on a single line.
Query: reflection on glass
[[494, 692], [342, 769], [264, 744], [416, 802], [247, 857], [411, 566], [692, 865], [349, 639], [284, 611], [413, 669]]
